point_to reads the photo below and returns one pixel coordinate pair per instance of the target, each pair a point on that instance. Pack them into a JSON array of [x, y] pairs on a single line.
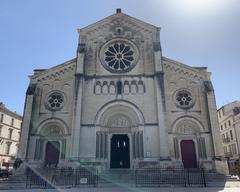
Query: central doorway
[[188, 154], [120, 155], [52, 153]]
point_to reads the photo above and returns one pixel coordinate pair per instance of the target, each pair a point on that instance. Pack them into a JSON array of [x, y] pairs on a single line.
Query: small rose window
[[55, 101], [184, 99]]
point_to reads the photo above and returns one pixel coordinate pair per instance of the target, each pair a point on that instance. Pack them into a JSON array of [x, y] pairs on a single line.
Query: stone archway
[[119, 130], [189, 142], [53, 137], [51, 142]]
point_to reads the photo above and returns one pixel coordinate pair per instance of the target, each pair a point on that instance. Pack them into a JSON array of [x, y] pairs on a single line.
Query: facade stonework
[[10, 132], [229, 126], [120, 94]]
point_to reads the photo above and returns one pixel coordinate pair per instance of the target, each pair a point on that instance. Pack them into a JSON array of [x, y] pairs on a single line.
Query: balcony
[[228, 154]]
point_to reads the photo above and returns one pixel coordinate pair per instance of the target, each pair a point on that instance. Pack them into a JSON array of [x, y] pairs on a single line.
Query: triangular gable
[[116, 16]]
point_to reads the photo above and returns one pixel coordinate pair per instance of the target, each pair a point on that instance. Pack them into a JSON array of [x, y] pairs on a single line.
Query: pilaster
[[76, 130], [220, 162], [26, 124], [161, 109]]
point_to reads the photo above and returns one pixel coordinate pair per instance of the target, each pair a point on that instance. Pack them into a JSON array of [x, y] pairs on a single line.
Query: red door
[[52, 153], [188, 154]]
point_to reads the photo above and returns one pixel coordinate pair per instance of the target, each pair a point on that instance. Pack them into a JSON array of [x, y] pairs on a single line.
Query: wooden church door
[[188, 154], [52, 153]]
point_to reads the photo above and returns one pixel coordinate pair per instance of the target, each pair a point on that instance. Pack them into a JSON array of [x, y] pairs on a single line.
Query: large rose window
[[119, 56]]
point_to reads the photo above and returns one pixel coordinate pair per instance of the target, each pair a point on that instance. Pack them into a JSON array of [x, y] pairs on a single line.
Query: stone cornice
[[120, 18], [5, 110], [118, 76], [10, 126], [55, 72], [186, 70]]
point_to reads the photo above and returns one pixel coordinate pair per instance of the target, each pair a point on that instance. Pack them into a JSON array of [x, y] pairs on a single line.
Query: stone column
[[213, 121], [161, 109], [76, 129], [26, 124], [220, 163]]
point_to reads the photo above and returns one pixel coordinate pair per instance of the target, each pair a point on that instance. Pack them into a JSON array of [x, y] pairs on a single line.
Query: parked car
[[6, 169], [4, 173]]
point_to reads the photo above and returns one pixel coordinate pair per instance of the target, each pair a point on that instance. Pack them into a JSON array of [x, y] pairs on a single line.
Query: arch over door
[[52, 153], [188, 154]]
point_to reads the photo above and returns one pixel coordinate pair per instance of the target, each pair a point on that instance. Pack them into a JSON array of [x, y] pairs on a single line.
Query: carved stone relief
[[187, 127], [52, 130], [129, 87]]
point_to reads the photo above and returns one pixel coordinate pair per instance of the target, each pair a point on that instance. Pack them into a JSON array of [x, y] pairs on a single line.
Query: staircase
[[117, 178], [15, 181], [123, 178], [214, 179]]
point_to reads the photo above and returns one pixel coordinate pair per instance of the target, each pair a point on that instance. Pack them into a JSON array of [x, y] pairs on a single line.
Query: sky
[[39, 34]]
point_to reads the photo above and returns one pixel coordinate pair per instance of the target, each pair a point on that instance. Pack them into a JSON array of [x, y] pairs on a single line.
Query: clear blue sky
[[43, 33]]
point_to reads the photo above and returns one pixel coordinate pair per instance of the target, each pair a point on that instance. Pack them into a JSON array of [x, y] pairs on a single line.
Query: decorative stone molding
[[118, 117], [101, 144], [119, 55], [184, 99], [129, 87], [120, 20], [55, 100], [52, 122], [52, 131], [56, 72], [119, 121], [187, 126], [137, 145], [31, 89], [180, 69], [125, 108]]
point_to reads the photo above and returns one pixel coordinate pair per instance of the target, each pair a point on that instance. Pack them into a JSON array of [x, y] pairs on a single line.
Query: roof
[[117, 15], [7, 111]]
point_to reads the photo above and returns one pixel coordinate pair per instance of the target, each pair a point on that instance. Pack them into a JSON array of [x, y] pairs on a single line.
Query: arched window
[[105, 88], [126, 87], [119, 87], [112, 88], [98, 88], [133, 87], [141, 88]]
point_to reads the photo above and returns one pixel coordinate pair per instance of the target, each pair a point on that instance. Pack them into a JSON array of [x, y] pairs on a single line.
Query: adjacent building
[[10, 132], [229, 125], [121, 104]]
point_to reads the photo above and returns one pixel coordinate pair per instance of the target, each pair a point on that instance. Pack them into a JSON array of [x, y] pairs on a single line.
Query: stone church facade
[[121, 104]]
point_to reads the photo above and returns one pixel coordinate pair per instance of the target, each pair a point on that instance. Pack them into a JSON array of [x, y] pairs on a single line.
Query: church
[[121, 104]]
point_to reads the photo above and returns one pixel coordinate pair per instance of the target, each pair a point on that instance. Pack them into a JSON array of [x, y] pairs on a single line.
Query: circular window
[[55, 101], [184, 99], [119, 56]]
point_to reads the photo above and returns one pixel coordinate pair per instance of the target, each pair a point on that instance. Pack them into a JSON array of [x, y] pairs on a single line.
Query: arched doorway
[[119, 135], [188, 154], [52, 153], [120, 153]]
